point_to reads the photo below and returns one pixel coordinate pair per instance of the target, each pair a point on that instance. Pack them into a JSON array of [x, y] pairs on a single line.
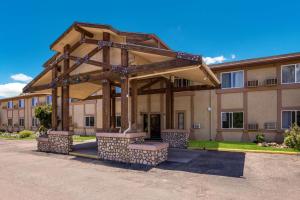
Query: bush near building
[[292, 137]]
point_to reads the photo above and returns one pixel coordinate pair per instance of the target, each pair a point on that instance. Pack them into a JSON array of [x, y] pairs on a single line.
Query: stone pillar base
[[114, 146], [56, 142], [176, 138]]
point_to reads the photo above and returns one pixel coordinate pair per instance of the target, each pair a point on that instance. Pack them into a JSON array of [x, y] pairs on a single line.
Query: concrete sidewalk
[[27, 174]]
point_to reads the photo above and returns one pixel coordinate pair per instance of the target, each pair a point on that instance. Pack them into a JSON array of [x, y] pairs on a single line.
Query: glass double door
[[152, 122]]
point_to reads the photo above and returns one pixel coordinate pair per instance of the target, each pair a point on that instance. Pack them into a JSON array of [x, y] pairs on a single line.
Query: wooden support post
[[54, 100], [65, 93], [124, 92], [113, 107], [106, 88], [106, 105], [134, 103], [169, 105]]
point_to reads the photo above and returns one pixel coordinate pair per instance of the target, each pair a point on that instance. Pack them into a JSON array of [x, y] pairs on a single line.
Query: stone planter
[[176, 138], [114, 146], [150, 153], [56, 142]]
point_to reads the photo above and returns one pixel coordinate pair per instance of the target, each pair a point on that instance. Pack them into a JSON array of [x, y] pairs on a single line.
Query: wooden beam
[[169, 105], [106, 88], [106, 105], [83, 31], [78, 62], [160, 66], [151, 82], [124, 92], [54, 102], [65, 94], [145, 49], [113, 107]]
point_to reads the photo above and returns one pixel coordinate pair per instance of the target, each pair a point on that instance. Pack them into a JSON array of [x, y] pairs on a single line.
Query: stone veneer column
[[60, 142]]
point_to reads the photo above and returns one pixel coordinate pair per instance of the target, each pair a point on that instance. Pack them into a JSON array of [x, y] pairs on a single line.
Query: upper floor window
[[290, 73], [34, 101], [10, 104], [232, 120], [181, 82], [21, 103], [290, 117], [232, 79], [49, 99]]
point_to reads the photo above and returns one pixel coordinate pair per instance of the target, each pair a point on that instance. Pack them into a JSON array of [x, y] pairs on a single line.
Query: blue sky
[[222, 30]]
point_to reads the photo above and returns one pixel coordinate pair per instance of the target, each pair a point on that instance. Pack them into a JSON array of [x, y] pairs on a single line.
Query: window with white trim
[[49, 99], [89, 121], [290, 117], [290, 73], [10, 104], [21, 103], [34, 122], [34, 101], [181, 82], [232, 120], [233, 79]]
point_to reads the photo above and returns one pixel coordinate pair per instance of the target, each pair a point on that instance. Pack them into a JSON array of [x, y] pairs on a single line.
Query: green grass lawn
[[77, 138], [239, 146]]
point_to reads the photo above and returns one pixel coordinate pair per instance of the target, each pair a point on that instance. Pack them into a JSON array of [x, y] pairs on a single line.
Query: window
[[118, 121], [21, 103], [10, 104], [232, 79], [89, 121], [290, 73], [49, 100], [34, 101], [181, 82], [290, 117], [21, 122], [10, 122], [232, 120], [34, 122], [180, 120], [118, 90]]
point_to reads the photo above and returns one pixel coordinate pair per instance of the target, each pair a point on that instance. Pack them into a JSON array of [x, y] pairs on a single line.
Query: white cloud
[[214, 60], [11, 89], [21, 77], [218, 59]]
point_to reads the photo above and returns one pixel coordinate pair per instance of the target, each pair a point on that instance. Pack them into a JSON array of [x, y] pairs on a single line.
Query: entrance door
[[155, 126]]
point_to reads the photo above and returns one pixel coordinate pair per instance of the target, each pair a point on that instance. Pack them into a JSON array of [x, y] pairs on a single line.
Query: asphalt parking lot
[[28, 174]]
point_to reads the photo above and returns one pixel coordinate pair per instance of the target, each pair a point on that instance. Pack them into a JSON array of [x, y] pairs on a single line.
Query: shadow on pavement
[[229, 164]]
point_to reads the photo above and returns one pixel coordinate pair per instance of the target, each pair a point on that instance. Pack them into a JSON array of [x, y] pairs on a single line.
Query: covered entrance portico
[[93, 61]]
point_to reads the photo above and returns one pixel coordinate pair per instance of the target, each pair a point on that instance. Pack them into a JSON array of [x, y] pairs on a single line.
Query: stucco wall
[[232, 101], [262, 107], [290, 97]]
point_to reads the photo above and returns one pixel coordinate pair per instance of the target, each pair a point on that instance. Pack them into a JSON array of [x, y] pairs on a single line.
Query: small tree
[[43, 113], [292, 137]]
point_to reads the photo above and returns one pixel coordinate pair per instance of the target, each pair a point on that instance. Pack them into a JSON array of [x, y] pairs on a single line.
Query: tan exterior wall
[[291, 97]]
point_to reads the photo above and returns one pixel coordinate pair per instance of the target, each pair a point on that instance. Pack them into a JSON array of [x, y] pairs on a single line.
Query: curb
[[248, 151]]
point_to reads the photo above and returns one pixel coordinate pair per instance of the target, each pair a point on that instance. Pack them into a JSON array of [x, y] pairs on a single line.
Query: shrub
[[292, 137], [43, 114], [260, 138], [25, 134]]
